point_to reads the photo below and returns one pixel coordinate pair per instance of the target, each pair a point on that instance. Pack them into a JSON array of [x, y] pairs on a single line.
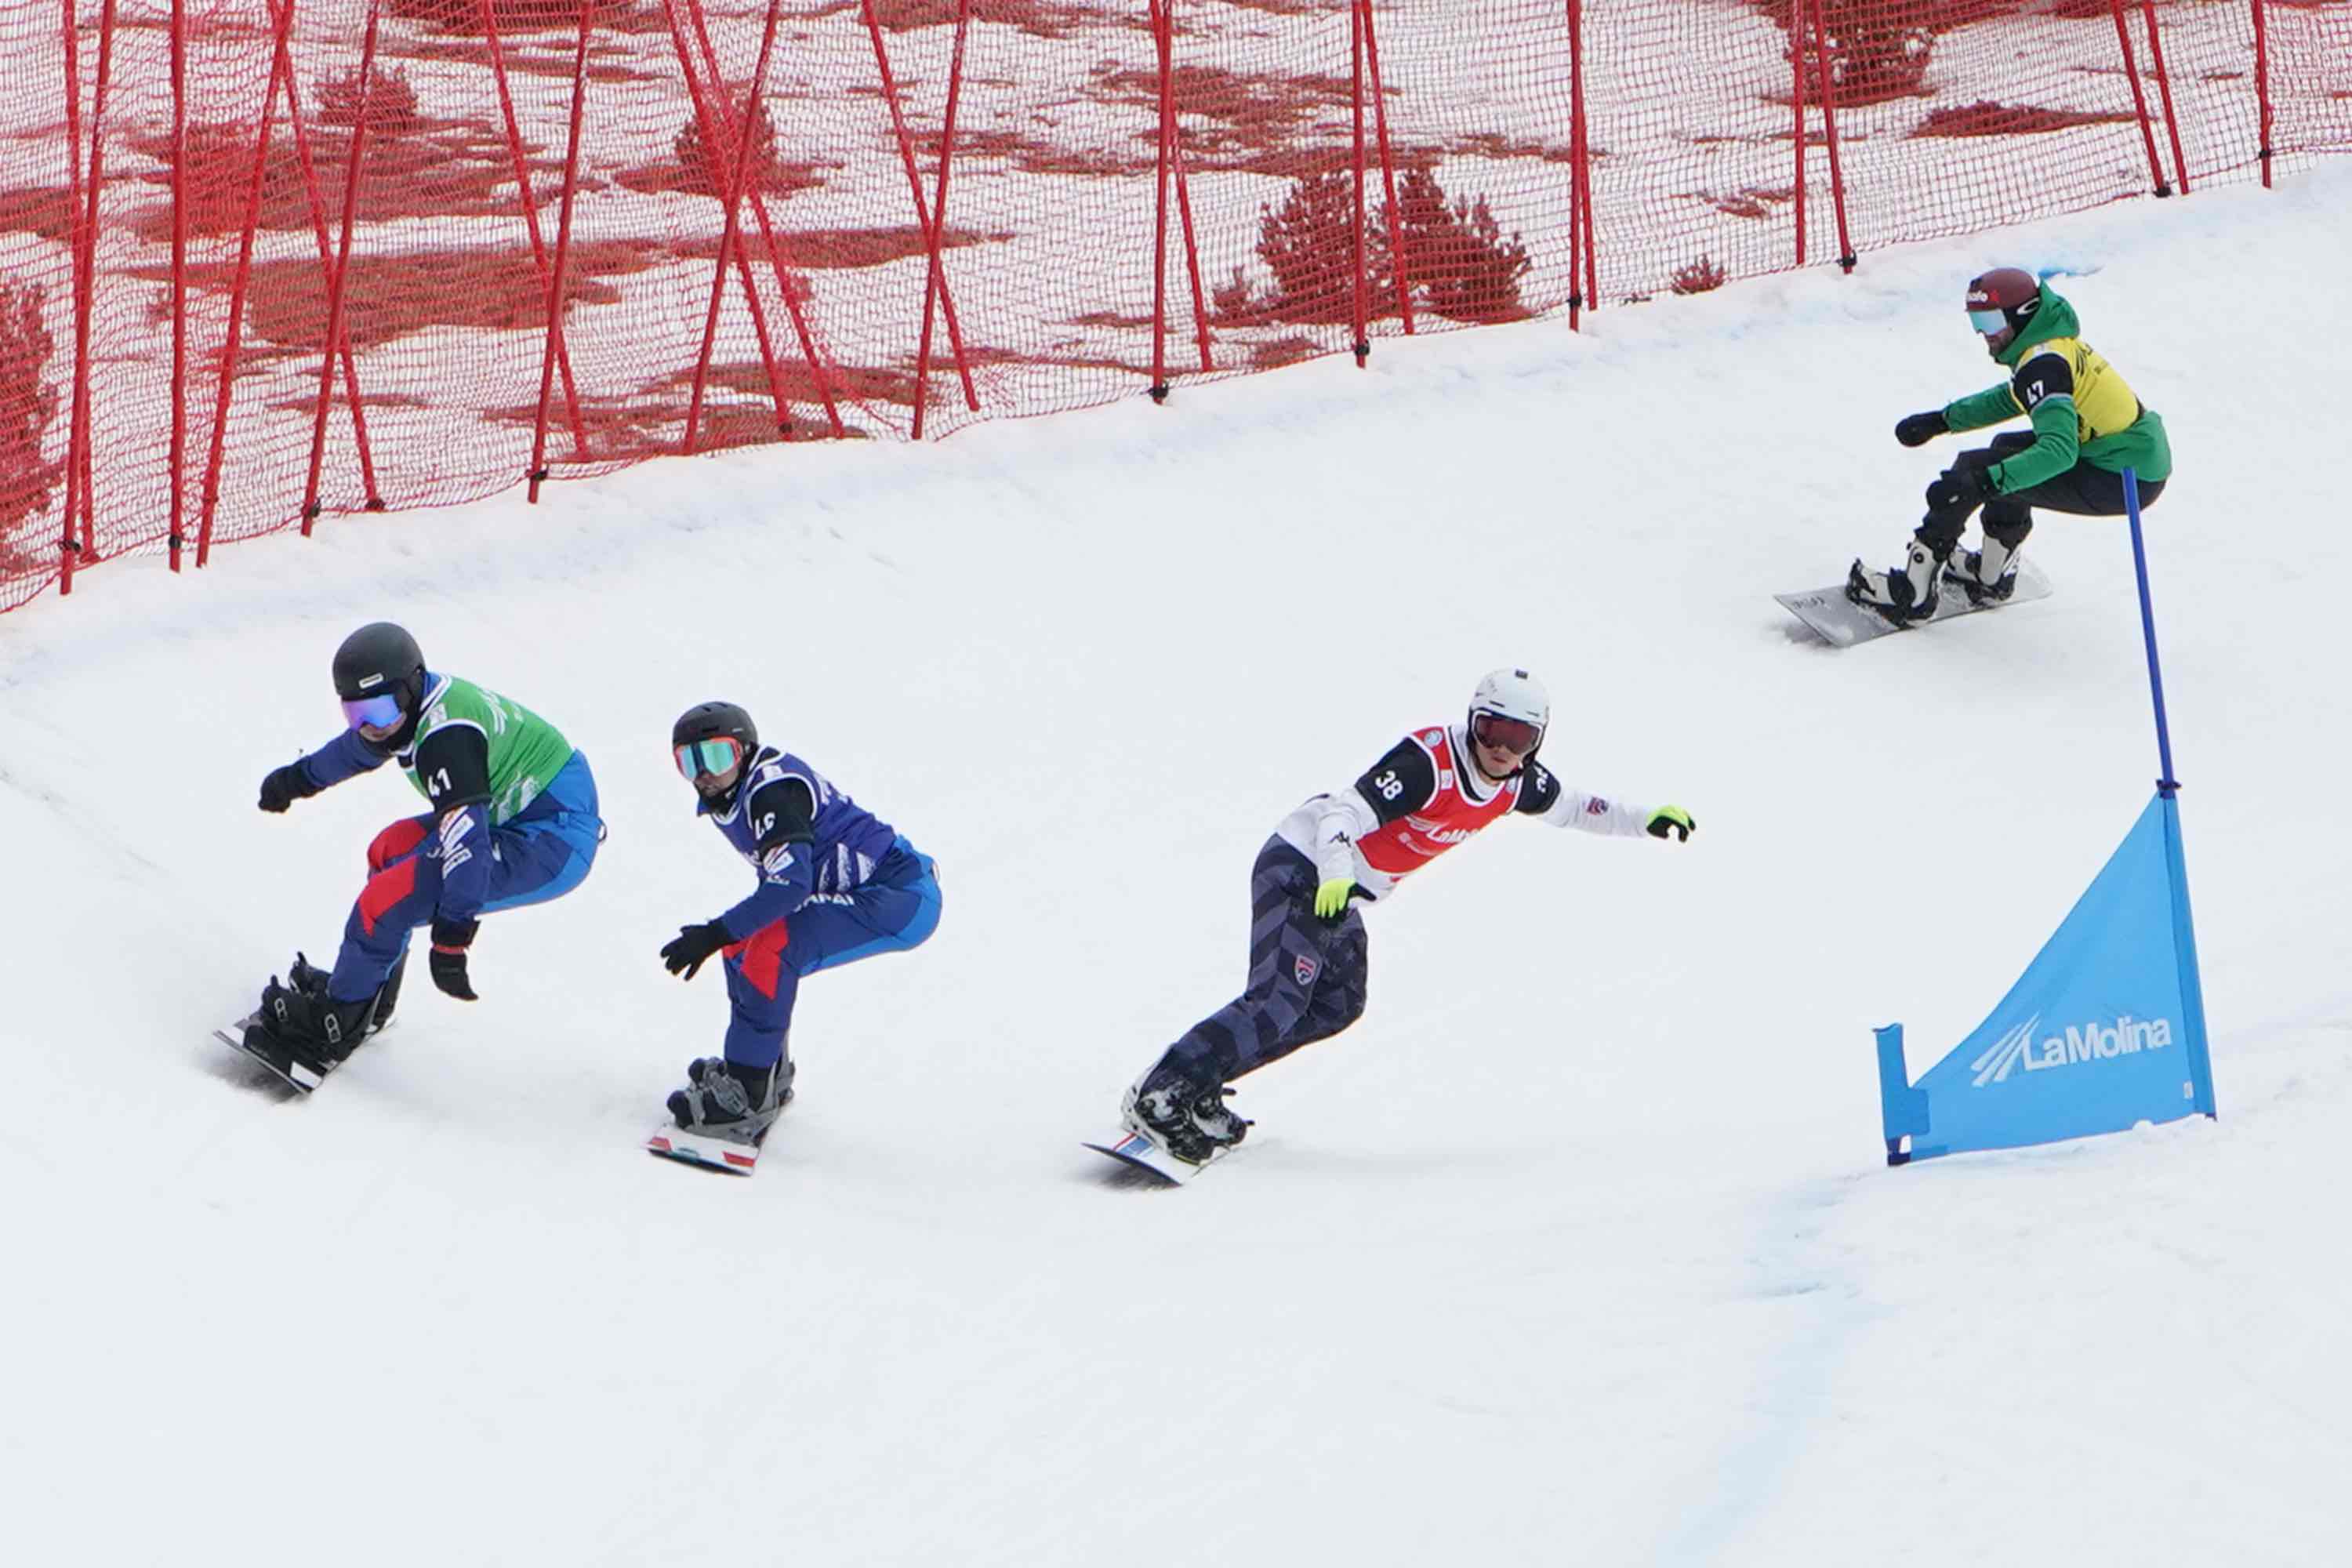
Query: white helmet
[[1512, 694]]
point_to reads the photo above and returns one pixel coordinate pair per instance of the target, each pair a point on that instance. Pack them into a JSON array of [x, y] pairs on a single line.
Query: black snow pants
[[2083, 490], [1306, 976]]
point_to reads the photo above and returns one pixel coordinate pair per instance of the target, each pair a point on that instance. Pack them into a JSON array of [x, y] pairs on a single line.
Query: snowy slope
[[1578, 1249]]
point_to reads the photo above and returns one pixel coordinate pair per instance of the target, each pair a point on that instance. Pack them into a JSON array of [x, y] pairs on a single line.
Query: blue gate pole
[[2184, 929], [2167, 784]]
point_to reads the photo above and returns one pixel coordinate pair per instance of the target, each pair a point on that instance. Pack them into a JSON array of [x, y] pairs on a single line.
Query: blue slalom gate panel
[[2103, 1030]]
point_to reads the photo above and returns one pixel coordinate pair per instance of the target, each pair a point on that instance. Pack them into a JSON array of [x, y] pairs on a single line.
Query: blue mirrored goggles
[[1988, 321], [381, 711], [698, 758]]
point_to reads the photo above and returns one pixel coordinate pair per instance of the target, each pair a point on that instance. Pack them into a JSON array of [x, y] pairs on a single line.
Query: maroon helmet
[[2003, 300]]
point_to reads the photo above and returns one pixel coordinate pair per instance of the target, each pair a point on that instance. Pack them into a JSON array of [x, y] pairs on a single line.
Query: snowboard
[[704, 1151], [1133, 1149], [298, 1069], [1842, 623]]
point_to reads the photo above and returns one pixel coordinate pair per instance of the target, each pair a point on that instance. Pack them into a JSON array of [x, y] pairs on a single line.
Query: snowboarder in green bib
[[513, 822], [2088, 427]]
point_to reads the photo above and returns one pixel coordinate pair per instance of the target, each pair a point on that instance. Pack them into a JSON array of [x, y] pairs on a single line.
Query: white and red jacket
[[1424, 797]]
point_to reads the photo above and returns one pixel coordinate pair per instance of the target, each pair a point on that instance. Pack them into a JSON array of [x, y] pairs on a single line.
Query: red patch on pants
[[760, 955], [383, 890], [401, 839]]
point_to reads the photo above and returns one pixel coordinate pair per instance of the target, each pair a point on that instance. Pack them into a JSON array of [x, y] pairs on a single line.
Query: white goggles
[[1988, 321]]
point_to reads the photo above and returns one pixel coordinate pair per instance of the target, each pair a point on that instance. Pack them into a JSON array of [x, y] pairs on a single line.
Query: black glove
[[692, 947], [1918, 429], [1672, 821], [1958, 488], [450, 940], [286, 785]]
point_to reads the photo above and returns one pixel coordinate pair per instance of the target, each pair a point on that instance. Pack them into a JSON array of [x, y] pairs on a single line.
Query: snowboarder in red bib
[[1434, 789], [2088, 427]]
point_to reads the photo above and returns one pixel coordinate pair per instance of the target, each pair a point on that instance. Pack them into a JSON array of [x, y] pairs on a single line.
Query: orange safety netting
[[947, 210]]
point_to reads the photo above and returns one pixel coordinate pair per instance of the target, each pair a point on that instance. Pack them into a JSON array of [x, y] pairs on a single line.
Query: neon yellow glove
[[1672, 819], [1332, 898]]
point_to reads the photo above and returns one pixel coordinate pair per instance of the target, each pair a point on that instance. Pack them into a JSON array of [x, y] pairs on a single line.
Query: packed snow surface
[[1579, 1249]]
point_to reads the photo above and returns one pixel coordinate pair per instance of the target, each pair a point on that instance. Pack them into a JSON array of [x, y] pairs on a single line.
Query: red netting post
[[1388, 171], [2139, 98], [326, 244], [67, 547], [1579, 192], [553, 348], [284, 21], [730, 197], [179, 272], [1360, 319], [1161, 49], [1163, 27], [531, 223], [1828, 128], [712, 138], [2262, 92], [1797, 96], [2164, 90], [935, 281], [932, 231], [80, 468], [337, 286]]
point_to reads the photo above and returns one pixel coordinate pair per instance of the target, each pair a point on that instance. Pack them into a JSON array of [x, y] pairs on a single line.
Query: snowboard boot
[[311, 1026], [1190, 1119], [311, 980], [1989, 576], [1903, 593], [728, 1099]]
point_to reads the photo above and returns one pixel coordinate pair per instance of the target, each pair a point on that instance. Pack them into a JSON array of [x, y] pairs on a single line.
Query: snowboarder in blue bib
[[836, 884], [512, 822]]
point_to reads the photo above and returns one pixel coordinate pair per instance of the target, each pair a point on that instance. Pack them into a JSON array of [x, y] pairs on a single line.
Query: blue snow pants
[[1306, 977], [897, 908], [542, 852]]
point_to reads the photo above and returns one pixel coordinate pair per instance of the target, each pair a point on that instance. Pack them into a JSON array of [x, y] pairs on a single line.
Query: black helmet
[[709, 720], [380, 658]]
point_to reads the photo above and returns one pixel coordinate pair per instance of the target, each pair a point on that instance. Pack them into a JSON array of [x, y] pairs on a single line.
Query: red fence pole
[[80, 468], [67, 546], [1829, 128], [2139, 98], [284, 22], [531, 223], [1579, 195], [730, 196], [337, 285], [1797, 96], [1388, 172], [935, 281], [1363, 344], [785, 281], [2164, 89], [553, 344], [932, 231], [179, 273], [2262, 92], [325, 242], [1161, 50]]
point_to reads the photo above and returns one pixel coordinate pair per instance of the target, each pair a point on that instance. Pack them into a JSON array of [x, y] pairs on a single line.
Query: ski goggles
[[381, 711], [1516, 736], [1989, 322], [700, 759]]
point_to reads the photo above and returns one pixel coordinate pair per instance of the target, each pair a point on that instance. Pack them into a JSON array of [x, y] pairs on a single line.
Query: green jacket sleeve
[[1993, 406], [2057, 441]]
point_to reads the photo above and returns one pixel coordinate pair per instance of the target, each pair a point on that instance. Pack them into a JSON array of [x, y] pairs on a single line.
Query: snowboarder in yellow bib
[[2088, 427]]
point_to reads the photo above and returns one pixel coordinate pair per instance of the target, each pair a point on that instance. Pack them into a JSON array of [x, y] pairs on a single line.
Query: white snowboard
[[1132, 1147], [1842, 623], [712, 1153]]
